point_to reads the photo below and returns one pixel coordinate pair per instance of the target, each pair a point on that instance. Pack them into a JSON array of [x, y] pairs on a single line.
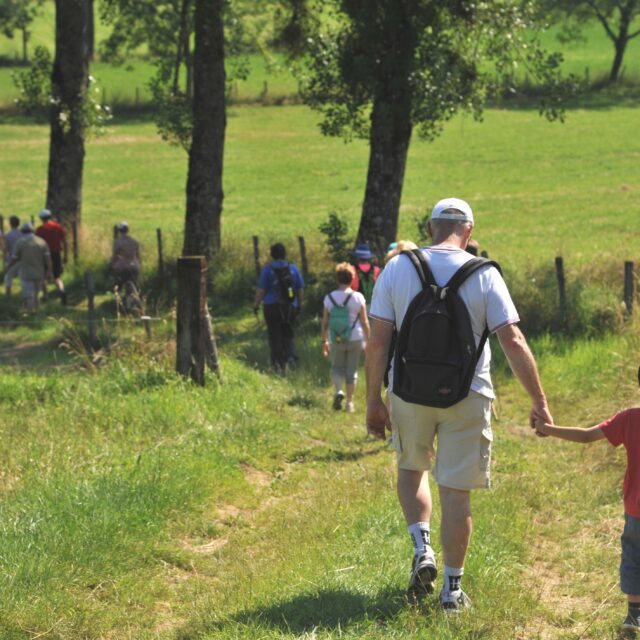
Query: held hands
[[541, 428], [538, 417], [377, 418], [325, 348]]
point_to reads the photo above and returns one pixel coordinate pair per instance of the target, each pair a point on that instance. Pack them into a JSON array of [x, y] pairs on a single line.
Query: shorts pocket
[[486, 440]]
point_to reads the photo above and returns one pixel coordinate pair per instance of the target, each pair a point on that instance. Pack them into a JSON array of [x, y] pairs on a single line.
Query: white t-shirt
[[355, 304], [485, 294]]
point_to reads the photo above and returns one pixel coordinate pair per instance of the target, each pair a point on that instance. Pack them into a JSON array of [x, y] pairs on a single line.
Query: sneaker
[[454, 601], [337, 400], [424, 571], [349, 407], [631, 623]]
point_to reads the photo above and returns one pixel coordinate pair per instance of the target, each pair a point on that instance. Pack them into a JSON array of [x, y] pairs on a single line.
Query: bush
[[591, 308]]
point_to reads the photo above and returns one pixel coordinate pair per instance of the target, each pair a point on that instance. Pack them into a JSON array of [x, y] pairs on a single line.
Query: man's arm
[[258, 299], [375, 366], [524, 367], [574, 434], [65, 248], [364, 321], [49, 266]]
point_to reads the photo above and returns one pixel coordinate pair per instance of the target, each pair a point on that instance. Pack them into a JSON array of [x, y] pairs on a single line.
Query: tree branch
[[602, 19]]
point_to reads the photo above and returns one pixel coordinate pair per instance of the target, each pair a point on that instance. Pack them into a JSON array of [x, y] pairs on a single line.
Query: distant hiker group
[[35, 256]]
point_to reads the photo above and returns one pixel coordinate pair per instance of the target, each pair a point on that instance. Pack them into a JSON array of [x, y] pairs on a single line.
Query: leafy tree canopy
[[165, 29], [618, 18], [17, 15], [450, 57]]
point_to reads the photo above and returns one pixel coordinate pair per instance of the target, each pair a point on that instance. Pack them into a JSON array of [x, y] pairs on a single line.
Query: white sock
[[420, 533], [453, 578]]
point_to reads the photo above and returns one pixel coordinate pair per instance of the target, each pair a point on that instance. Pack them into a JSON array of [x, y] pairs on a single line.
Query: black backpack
[[436, 355], [286, 291]]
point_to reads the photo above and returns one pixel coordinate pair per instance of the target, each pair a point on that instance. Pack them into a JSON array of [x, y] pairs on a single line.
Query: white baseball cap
[[452, 209]]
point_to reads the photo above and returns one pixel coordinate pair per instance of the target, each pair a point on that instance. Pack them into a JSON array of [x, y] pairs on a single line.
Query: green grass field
[[136, 506], [539, 189]]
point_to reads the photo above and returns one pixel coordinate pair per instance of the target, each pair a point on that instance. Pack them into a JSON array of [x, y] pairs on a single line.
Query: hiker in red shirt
[[621, 429], [55, 237], [366, 272]]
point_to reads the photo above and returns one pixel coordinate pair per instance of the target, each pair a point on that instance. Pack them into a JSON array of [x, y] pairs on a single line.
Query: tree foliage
[[165, 28], [377, 69], [617, 18], [17, 15], [456, 53], [37, 99]]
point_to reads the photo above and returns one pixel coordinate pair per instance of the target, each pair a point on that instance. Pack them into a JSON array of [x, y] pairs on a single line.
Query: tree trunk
[[91, 31], [204, 182], [25, 44], [389, 144], [391, 125], [620, 46], [69, 80], [620, 43]]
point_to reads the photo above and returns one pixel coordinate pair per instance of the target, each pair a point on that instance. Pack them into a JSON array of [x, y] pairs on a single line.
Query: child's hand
[[540, 427]]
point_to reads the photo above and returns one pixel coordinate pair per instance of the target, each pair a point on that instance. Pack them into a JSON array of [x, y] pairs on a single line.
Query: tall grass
[[250, 509]]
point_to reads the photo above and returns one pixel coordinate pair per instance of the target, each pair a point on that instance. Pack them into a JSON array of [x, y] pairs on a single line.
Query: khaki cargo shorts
[[463, 453]]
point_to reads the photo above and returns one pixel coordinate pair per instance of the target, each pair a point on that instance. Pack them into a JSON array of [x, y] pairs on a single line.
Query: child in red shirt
[[623, 428]]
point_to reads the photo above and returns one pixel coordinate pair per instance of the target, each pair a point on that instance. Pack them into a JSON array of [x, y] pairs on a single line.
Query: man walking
[[32, 256], [10, 240], [463, 430], [281, 288], [55, 237], [125, 260]]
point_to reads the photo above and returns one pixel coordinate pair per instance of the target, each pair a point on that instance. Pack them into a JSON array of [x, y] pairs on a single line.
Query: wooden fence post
[[628, 286], [194, 341], [115, 231], [74, 238], [91, 312], [146, 323], [256, 255], [303, 258], [2, 225], [160, 254], [561, 282]]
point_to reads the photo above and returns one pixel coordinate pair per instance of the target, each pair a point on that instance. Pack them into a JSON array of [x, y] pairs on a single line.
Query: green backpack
[[339, 326]]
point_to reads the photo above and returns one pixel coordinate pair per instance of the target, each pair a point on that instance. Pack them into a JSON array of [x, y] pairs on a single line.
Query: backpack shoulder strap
[[421, 266], [335, 304], [469, 267]]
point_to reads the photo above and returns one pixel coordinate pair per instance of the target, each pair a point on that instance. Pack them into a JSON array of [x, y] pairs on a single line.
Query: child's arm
[[575, 434]]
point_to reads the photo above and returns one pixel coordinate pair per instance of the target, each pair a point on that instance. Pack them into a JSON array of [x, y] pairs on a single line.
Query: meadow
[[135, 505]]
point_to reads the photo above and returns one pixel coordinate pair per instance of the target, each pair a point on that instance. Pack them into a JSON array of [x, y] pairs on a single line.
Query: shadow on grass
[[333, 455], [326, 610]]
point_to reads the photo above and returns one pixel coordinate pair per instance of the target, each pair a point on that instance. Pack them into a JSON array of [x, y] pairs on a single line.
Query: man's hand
[[377, 418], [540, 427], [540, 415]]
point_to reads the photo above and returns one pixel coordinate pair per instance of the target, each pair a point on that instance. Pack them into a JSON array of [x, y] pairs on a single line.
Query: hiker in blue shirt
[[280, 289]]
